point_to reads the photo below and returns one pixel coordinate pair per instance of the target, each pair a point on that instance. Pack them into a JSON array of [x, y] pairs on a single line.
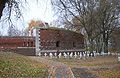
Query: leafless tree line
[[98, 18], [12, 12]]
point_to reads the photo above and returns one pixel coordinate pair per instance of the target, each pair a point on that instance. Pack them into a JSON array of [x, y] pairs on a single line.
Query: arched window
[[58, 44], [74, 44], [24, 44], [31, 44], [28, 44]]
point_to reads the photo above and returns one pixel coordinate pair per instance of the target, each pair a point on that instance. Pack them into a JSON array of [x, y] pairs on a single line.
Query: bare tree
[[13, 31], [108, 19], [12, 6], [114, 39], [97, 17], [2, 6], [81, 11]]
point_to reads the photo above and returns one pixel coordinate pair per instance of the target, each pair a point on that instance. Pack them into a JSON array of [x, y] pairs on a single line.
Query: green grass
[[18, 66]]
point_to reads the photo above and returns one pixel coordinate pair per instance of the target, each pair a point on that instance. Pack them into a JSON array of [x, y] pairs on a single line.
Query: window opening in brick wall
[[31, 44], [24, 44], [74, 44], [58, 44], [27, 44]]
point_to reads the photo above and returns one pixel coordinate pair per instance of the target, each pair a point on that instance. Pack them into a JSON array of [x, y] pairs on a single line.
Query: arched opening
[[24, 44], [74, 44], [58, 44], [31, 44]]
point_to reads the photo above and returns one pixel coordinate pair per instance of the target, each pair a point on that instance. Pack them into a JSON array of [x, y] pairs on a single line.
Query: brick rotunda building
[[44, 39], [57, 40]]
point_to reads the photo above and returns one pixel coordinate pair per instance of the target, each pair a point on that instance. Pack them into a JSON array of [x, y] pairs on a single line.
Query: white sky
[[41, 10]]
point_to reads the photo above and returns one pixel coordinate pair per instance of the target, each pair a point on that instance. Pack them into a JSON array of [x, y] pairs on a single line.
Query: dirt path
[[83, 73], [57, 69]]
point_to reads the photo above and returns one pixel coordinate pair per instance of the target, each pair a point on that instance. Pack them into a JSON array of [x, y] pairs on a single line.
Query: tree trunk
[[91, 47], [2, 6], [105, 43], [106, 46], [99, 44]]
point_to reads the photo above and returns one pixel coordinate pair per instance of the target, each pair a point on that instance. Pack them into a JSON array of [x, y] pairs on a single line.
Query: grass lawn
[[18, 66], [97, 67]]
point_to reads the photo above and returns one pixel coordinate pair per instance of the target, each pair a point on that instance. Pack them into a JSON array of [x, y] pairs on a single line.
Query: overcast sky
[[41, 10]]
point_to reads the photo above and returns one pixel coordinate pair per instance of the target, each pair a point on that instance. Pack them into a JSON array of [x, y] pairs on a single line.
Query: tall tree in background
[[108, 19], [2, 6], [115, 37], [81, 11], [12, 12], [97, 17], [13, 31], [12, 6]]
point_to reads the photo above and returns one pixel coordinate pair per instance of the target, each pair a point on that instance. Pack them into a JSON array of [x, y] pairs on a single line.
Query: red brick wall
[[60, 39], [14, 42]]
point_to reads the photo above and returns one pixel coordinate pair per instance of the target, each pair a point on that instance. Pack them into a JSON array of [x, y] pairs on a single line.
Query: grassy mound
[[18, 66]]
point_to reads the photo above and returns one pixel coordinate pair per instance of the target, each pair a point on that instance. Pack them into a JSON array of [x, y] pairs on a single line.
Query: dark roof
[[56, 28]]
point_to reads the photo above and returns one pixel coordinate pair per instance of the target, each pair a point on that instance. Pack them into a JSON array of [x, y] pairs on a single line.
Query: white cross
[[45, 54], [51, 55], [80, 55], [75, 55], [39, 54], [71, 54], [59, 55], [65, 55]]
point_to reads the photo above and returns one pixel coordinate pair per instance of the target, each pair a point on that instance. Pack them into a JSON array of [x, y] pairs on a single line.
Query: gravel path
[[57, 69]]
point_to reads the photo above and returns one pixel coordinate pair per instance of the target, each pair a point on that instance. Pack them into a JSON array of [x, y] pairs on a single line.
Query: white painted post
[[75, 55], [45, 54], [108, 53], [84, 55], [68, 53], [71, 54], [55, 55], [59, 55], [65, 55], [51, 55], [119, 57], [39, 54], [94, 53], [80, 55]]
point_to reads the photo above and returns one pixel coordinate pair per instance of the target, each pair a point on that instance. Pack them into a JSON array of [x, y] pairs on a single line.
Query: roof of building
[[56, 28], [16, 37]]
